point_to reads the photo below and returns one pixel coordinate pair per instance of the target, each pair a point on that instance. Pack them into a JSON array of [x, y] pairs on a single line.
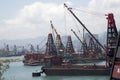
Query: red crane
[[112, 35]]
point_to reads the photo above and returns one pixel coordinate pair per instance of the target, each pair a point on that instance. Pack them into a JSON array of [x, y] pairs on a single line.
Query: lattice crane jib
[[91, 44], [69, 46], [112, 35], [59, 45], [50, 47]]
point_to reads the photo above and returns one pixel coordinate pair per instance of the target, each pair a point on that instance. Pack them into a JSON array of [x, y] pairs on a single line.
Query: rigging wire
[[94, 13], [42, 42], [76, 25], [65, 22]]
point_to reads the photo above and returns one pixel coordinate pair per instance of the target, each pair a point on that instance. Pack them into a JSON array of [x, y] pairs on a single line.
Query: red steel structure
[[69, 46], [50, 47], [112, 35], [115, 73]]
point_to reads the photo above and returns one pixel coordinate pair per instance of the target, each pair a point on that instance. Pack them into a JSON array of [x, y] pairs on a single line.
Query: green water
[[18, 71]]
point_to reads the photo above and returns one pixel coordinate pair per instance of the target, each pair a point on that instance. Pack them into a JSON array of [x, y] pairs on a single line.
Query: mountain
[[23, 42], [41, 41]]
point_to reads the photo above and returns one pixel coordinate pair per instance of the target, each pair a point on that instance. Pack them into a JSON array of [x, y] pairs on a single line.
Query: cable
[[94, 13]]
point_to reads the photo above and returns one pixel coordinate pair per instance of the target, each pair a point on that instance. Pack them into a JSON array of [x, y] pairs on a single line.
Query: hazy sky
[[21, 19]]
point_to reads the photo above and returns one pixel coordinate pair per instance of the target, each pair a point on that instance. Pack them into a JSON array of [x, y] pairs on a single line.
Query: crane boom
[[53, 28], [69, 9], [76, 36]]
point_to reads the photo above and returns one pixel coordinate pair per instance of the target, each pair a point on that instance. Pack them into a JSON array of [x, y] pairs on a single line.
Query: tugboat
[[54, 64]]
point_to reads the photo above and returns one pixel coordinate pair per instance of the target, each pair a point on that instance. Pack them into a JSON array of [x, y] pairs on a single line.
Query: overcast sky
[[21, 19]]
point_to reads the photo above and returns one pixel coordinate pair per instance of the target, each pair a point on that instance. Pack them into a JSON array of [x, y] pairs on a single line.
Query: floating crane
[[77, 36], [69, 46], [69, 9], [50, 47], [112, 35], [53, 29], [58, 43], [84, 45]]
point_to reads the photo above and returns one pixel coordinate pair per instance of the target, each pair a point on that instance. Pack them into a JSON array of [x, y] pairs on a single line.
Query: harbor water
[[18, 71]]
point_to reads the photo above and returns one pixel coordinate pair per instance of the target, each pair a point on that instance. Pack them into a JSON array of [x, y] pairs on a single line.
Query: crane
[[69, 9], [112, 36], [58, 43], [53, 29], [77, 36], [84, 45]]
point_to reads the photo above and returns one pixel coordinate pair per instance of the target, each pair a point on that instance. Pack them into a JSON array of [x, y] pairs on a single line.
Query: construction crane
[[58, 43], [84, 45], [50, 47], [53, 29], [69, 46], [77, 36], [69, 9]]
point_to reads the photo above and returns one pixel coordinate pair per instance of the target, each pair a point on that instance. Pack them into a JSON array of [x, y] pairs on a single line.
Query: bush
[[3, 68]]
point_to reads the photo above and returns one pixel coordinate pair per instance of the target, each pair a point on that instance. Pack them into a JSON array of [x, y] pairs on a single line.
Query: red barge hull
[[76, 71]]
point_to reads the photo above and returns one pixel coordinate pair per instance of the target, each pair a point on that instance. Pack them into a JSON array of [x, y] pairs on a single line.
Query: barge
[[54, 65], [66, 70]]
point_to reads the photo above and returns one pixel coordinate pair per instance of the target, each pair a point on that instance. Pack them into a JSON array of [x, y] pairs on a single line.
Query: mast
[[69, 9]]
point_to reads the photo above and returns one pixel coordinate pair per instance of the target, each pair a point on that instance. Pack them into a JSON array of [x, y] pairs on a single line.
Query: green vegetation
[[3, 68]]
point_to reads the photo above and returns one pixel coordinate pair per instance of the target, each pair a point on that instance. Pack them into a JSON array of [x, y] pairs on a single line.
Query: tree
[[3, 68]]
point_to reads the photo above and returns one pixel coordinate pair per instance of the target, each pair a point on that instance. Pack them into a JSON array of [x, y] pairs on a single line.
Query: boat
[[36, 73], [54, 65], [58, 65], [33, 59]]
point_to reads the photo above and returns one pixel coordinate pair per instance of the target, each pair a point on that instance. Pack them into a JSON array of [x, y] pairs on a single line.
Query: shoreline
[[11, 60]]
